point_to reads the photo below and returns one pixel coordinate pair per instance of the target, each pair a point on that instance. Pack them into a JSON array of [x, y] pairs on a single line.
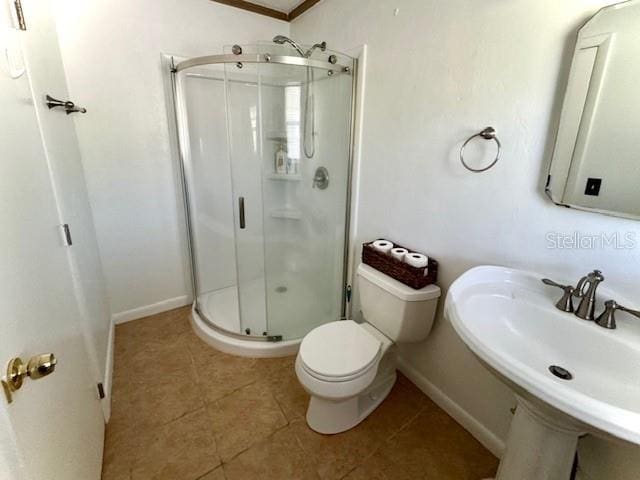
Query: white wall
[[111, 50], [437, 73]]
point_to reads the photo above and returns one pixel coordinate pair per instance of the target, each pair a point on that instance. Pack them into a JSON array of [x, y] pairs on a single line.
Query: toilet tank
[[400, 312]]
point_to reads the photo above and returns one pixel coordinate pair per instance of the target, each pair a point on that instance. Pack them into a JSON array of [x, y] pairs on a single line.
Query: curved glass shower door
[[244, 133], [202, 127], [266, 152], [308, 112]]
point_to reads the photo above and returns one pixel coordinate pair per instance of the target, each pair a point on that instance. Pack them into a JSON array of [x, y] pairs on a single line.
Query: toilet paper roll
[[416, 259], [399, 253], [383, 245]]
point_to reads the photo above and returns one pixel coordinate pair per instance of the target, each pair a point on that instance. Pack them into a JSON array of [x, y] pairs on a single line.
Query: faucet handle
[[566, 302], [547, 281], [607, 319]]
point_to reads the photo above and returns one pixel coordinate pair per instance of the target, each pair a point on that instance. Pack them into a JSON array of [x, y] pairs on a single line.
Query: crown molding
[[270, 12]]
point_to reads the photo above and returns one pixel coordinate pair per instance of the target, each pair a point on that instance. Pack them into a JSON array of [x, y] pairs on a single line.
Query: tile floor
[[182, 410]]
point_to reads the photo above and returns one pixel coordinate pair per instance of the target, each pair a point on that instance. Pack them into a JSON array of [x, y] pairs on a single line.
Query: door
[[54, 427], [245, 150], [46, 73]]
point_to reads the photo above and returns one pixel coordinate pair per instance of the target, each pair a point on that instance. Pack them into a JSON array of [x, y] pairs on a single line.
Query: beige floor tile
[[434, 446], [115, 471], [254, 419], [244, 418], [289, 394], [402, 404], [120, 409], [118, 456], [372, 469], [334, 455], [184, 449], [217, 474], [220, 374], [154, 404], [122, 444], [198, 348], [277, 457], [275, 366], [153, 361], [159, 328]]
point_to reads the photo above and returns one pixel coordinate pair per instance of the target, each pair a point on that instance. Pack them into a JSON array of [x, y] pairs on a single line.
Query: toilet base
[[329, 417]]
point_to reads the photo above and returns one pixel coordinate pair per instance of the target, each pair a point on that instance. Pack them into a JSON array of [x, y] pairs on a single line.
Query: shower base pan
[[236, 345]]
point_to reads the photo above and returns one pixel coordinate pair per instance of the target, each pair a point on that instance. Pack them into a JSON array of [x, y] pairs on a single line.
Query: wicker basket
[[403, 272]]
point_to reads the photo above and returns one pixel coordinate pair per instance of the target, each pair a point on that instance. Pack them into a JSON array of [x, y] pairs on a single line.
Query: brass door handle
[[37, 367]]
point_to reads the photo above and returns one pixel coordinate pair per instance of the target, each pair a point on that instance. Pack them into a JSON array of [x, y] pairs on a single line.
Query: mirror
[[596, 159]]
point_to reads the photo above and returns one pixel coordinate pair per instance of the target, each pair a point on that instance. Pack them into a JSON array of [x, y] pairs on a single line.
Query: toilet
[[349, 368]]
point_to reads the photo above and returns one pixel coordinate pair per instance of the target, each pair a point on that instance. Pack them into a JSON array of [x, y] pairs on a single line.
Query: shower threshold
[[237, 345]]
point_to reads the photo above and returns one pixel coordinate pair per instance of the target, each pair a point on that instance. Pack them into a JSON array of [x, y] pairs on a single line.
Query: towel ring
[[488, 133]]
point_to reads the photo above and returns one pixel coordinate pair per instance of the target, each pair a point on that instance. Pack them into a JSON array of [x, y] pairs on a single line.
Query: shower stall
[[265, 138]]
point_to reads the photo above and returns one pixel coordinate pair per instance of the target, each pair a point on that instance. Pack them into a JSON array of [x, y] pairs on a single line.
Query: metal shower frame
[[332, 67]]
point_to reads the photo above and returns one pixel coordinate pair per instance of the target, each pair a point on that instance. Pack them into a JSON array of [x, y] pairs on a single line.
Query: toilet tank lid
[[399, 289]]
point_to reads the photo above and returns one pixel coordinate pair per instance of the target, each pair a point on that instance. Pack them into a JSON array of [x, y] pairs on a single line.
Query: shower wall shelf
[[287, 214], [284, 177], [281, 137]]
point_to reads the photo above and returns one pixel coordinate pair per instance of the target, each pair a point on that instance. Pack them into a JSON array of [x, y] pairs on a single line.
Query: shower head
[[322, 46], [281, 40]]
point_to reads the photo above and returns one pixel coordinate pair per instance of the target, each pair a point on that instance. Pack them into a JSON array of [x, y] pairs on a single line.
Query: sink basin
[[509, 321]]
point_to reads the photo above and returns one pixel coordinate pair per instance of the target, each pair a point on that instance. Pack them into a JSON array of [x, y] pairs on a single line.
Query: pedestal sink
[[570, 376]]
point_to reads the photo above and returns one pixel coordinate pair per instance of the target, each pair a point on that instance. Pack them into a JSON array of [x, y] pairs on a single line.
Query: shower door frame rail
[[262, 58], [266, 59]]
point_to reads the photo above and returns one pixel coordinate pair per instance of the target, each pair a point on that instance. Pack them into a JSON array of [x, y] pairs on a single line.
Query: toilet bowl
[[349, 368]]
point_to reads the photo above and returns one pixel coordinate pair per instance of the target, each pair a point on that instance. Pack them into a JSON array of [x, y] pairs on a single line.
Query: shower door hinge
[[101, 391], [348, 293], [22, 25], [66, 234]]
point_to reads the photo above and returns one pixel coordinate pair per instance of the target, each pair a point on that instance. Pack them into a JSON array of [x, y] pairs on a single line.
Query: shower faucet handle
[[321, 178]]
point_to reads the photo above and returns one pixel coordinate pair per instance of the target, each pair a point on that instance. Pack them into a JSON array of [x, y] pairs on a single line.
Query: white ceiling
[[281, 5]]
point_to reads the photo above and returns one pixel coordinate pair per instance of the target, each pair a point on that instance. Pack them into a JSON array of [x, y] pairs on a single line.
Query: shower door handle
[[241, 214]]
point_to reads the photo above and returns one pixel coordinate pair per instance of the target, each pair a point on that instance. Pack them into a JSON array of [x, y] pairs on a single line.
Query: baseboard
[[486, 437], [108, 373], [152, 309]]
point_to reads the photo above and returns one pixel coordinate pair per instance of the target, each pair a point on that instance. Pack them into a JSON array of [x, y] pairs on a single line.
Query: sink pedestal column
[[541, 444]]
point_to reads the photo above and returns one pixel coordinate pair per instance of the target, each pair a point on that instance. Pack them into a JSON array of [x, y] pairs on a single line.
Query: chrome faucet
[[587, 306], [586, 290], [586, 309]]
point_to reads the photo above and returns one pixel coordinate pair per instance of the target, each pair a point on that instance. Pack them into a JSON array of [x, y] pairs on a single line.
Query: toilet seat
[[339, 351]]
